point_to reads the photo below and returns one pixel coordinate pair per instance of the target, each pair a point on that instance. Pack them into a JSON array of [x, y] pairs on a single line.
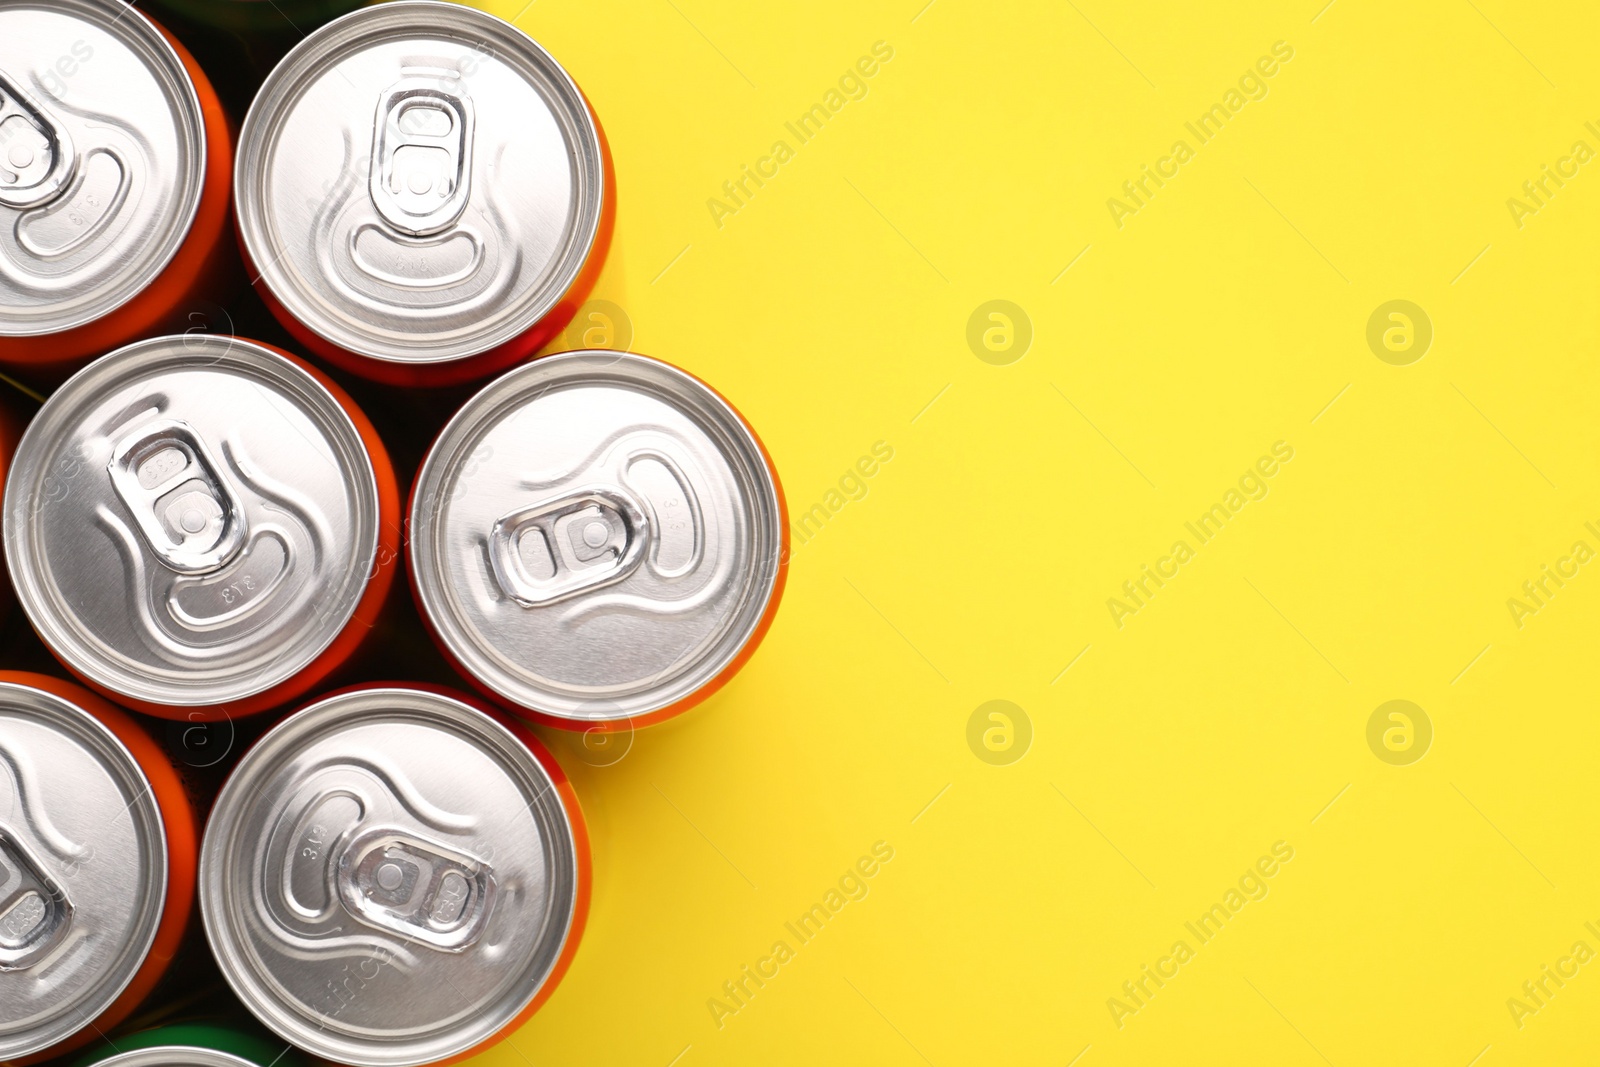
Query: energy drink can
[[423, 192], [193, 1045], [97, 865], [393, 876], [201, 526], [115, 158], [598, 540]]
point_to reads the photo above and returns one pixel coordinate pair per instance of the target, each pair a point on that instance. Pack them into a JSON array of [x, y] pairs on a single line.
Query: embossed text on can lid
[[595, 536], [191, 520], [83, 869], [388, 877], [419, 182], [102, 160]]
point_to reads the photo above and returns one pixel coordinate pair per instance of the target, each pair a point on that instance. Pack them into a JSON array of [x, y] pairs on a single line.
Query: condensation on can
[[424, 193], [97, 866], [598, 539], [115, 164], [394, 875], [202, 526]]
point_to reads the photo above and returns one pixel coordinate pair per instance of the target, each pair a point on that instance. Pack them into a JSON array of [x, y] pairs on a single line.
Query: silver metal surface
[[102, 160], [419, 182], [191, 520], [175, 1056], [595, 535], [388, 877], [83, 869]]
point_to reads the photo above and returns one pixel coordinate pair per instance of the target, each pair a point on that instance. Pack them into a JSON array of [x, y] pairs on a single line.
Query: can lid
[[191, 520], [388, 877], [595, 536], [419, 182], [83, 869], [102, 160], [175, 1056]]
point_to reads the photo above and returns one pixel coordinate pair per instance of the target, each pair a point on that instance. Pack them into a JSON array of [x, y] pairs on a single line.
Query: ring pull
[[421, 171], [186, 509], [421, 890], [35, 913], [37, 160], [588, 538]]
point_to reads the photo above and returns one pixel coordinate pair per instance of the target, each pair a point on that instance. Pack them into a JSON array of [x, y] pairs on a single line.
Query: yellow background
[[1229, 712]]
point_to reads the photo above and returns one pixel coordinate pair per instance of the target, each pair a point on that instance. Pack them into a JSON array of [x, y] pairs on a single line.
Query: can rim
[[310, 57], [54, 622], [193, 121], [60, 712], [217, 875], [175, 1056], [480, 413]]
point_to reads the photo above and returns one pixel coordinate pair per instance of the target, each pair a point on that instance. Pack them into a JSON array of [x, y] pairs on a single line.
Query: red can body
[[195, 272], [466, 220], [466, 821], [303, 562], [519, 636], [181, 841], [471, 368], [369, 611]]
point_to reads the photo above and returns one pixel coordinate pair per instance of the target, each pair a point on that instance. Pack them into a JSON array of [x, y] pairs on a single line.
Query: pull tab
[[422, 152], [418, 889], [187, 511], [592, 537], [35, 913], [36, 156]]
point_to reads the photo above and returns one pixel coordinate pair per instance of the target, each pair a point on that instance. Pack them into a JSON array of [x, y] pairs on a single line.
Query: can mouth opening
[[410, 247], [712, 538]]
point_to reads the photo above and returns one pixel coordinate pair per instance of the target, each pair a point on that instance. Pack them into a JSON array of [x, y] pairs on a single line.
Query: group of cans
[[201, 527]]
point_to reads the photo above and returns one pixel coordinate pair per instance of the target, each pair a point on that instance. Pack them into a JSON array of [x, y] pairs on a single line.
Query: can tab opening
[[555, 549], [187, 511], [37, 160], [421, 172], [420, 890], [35, 913]]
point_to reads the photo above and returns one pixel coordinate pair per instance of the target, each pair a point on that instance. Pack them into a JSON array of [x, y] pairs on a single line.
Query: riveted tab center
[[420, 890], [554, 549], [422, 152], [37, 160], [35, 913], [184, 506]]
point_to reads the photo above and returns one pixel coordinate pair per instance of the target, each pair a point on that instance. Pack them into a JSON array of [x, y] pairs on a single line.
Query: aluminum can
[[394, 875], [423, 193], [598, 539], [201, 526], [193, 1044], [97, 866], [115, 158]]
